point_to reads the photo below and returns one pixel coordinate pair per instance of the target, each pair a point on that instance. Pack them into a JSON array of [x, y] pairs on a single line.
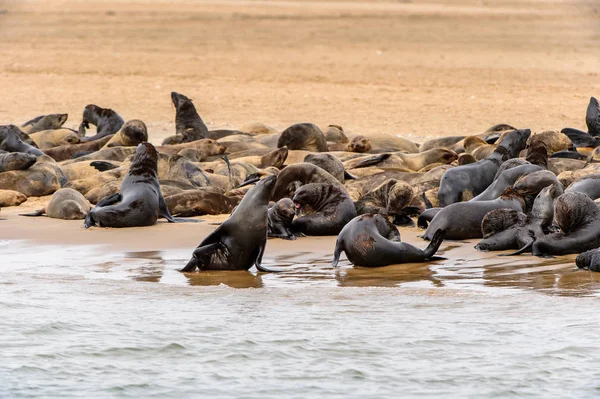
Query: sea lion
[[322, 209], [44, 122], [391, 143], [467, 181], [570, 154], [65, 203], [553, 141], [510, 229], [45, 139], [372, 241], [462, 220], [294, 176], [329, 163], [588, 185], [578, 218], [389, 199], [106, 120], [42, 178], [335, 134], [201, 201], [303, 136], [131, 134], [505, 180], [64, 152], [259, 129], [280, 219], [465, 159], [207, 147], [359, 144], [16, 161], [11, 198], [113, 154], [140, 202], [239, 242], [592, 117], [85, 169], [10, 141], [186, 117], [478, 147]]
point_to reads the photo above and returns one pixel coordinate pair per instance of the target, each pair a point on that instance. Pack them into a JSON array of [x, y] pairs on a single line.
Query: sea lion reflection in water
[[239, 242], [140, 201]]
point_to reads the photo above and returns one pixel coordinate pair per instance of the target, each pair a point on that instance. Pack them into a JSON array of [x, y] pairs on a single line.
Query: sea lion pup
[[329, 163], [207, 147], [322, 209], [389, 199], [280, 219], [45, 139], [303, 136], [588, 185], [372, 241], [10, 141], [589, 260], [16, 161], [570, 154], [239, 242], [64, 152], [44, 122], [462, 220], [335, 134], [467, 181], [201, 201], [510, 229], [11, 198], [294, 176], [140, 201], [131, 134], [478, 147], [186, 117], [578, 218], [66, 204], [106, 120]]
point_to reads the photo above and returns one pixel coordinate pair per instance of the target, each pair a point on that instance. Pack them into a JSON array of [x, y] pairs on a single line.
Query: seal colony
[[517, 190]]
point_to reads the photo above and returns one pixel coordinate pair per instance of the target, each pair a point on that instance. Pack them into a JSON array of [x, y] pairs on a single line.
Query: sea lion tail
[[435, 243], [36, 213], [526, 247]]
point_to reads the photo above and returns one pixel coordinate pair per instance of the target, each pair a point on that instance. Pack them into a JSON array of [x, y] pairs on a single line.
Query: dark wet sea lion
[[462, 220], [16, 161], [131, 134], [570, 155], [239, 242], [207, 147], [106, 120], [201, 201], [330, 163], [140, 201], [581, 139], [588, 185], [66, 204], [592, 117], [280, 219], [294, 176], [589, 260], [505, 180], [303, 136], [45, 139], [44, 122], [322, 209], [578, 218], [10, 141], [372, 241], [186, 117], [510, 229], [65, 152], [11, 198], [467, 181]]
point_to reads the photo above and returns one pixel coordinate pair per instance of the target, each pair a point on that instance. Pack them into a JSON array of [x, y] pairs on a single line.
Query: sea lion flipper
[[370, 161], [102, 166], [435, 243], [349, 176], [520, 251], [257, 263], [39, 212], [336, 254], [110, 200]]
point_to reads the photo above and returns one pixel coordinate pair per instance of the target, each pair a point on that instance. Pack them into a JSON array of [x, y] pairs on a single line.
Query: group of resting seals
[[511, 188]]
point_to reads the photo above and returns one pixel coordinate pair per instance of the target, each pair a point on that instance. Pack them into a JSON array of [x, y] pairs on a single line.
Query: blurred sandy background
[[418, 68]]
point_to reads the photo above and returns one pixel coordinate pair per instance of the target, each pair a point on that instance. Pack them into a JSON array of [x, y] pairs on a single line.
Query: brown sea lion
[[280, 219], [131, 134], [140, 201], [391, 143], [202, 201], [478, 147], [85, 169], [303, 136], [552, 140], [372, 241], [294, 176], [15, 161], [389, 199], [206, 146], [65, 203], [11, 198], [64, 152], [106, 120], [322, 209], [44, 122], [45, 139]]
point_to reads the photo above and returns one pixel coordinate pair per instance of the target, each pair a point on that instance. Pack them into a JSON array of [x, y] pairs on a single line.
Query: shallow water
[[130, 325]]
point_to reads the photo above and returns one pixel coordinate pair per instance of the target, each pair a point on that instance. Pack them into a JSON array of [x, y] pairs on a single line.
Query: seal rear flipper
[[569, 154], [102, 166], [526, 247], [373, 160], [579, 138], [435, 243], [39, 212]]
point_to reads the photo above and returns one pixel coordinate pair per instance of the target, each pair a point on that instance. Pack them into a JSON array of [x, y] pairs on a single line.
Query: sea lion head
[[499, 220], [360, 144], [335, 134], [18, 161], [537, 154], [134, 132], [264, 188], [145, 160], [306, 196], [512, 142], [284, 208], [179, 100], [212, 147], [400, 195], [592, 117], [90, 114]]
